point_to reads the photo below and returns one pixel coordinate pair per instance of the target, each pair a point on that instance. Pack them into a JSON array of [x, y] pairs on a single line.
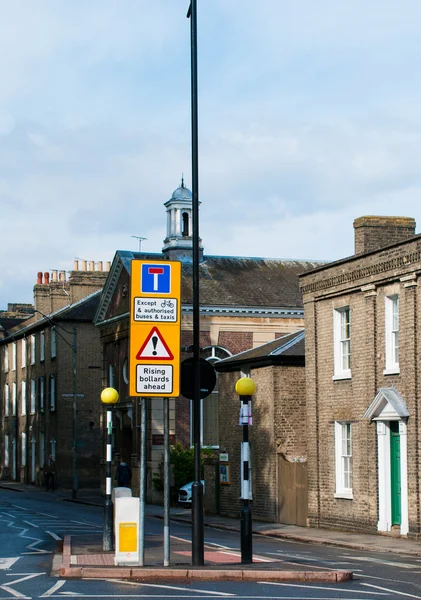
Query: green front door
[[395, 472]]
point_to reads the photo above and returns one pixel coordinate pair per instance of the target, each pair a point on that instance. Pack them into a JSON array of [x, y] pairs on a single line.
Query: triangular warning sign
[[154, 347]]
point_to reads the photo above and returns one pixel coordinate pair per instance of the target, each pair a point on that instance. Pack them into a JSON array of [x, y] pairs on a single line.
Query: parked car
[[185, 494]]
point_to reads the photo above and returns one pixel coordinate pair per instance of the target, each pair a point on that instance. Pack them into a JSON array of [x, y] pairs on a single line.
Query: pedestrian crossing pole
[[109, 397], [245, 388]]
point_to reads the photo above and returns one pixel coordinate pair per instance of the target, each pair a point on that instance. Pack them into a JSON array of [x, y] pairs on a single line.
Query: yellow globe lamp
[[245, 386], [109, 396]]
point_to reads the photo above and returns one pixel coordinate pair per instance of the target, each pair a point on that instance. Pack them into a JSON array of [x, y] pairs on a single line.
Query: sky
[[309, 117]]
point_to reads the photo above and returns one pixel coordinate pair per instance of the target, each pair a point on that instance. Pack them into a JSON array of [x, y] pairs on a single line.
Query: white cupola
[[178, 244]]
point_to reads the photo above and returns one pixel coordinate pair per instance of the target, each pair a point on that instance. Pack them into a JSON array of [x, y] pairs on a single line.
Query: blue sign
[[156, 279]]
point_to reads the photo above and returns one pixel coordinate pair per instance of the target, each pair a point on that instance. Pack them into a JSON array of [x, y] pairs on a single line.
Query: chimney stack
[[373, 233]]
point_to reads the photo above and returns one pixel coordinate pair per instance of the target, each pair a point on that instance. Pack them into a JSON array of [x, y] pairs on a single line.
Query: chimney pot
[[54, 275], [91, 265], [84, 265], [39, 277], [46, 278], [108, 265], [75, 265], [62, 276], [100, 265]]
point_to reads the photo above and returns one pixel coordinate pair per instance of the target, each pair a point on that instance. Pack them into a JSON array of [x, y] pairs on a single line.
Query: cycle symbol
[[167, 303]]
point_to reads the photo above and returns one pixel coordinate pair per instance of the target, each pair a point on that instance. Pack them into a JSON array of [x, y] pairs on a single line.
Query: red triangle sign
[[154, 347]]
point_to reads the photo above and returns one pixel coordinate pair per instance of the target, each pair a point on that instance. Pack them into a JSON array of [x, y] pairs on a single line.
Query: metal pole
[[107, 542], [75, 478], [166, 483], [197, 488], [142, 483], [246, 518]]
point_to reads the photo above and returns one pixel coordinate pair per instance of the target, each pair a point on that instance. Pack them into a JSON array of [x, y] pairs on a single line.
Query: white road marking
[[53, 535], [380, 561], [14, 592], [31, 576], [6, 563], [29, 523], [53, 589], [377, 587], [171, 587], [320, 587]]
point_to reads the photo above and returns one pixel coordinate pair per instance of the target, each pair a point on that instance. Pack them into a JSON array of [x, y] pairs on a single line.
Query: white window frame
[[23, 447], [42, 346], [33, 396], [14, 395], [52, 390], [342, 342], [23, 398], [33, 349], [6, 450], [6, 400], [343, 460], [53, 342], [6, 359], [14, 356], [42, 394], [392, 335], [23, 348]]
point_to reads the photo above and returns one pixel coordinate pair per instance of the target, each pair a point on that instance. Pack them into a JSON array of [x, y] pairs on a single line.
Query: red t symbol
[[155, 271]]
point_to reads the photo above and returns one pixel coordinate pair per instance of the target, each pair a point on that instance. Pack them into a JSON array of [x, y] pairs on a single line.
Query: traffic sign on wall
[[155, 325]]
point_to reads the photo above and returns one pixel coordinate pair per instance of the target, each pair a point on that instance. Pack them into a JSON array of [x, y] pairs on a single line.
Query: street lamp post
[[198, 553], [245, 388], [109, 397]]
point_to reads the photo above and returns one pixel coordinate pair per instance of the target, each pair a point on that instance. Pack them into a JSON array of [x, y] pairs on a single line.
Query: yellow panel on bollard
[[128, 537], [127, 511]]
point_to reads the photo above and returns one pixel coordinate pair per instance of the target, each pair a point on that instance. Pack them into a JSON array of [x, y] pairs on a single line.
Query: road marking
[[377, 587], [29, 523], [320, 587], [31, 576], [382, 562], [53, 535], [14, 592], [171, 587], [53, 589], [6, 563]]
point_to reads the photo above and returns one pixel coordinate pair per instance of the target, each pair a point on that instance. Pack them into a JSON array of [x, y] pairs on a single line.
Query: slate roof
[[83, 311], [286, 350], [239, 281]]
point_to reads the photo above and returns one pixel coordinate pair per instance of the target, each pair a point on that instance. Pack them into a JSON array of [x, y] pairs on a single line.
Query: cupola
[[178, 244]]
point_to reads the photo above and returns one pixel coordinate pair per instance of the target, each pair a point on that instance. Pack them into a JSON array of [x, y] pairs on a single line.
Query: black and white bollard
[[109, 396], [245, 388]]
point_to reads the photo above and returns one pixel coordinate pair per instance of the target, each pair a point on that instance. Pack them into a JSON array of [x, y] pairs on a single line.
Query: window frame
[[23, 353], [52, 400], [14, 399], [23, 398], [33, 349], [53, 342], [14, 355], [343, 460], [6, 359], [33, 406], [6, 399], [42, 345], [341, 341], [391, 331]]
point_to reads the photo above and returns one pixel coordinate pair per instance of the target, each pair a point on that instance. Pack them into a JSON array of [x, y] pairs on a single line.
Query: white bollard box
[[126, 525]]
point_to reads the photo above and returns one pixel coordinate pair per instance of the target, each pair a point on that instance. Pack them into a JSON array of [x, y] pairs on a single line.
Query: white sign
[[154, 379], [155, 310]]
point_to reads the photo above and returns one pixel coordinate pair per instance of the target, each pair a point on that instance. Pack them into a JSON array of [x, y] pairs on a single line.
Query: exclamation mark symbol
[[154, 343]]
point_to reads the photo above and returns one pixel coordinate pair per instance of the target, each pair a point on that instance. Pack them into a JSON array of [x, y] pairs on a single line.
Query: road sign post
[[155, 325]]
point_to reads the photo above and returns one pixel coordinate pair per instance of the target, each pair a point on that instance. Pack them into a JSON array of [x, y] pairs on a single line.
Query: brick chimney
[[373, 233]]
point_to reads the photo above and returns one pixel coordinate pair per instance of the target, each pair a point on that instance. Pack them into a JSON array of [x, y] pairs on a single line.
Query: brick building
[[47, 361], [244, 302], [363, 382], [277, 435]]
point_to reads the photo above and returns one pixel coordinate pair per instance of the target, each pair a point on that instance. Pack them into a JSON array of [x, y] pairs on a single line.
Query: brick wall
[[362, 283]]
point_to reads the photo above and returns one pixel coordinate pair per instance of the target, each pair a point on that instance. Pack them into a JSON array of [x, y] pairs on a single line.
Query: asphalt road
[[33, 525]]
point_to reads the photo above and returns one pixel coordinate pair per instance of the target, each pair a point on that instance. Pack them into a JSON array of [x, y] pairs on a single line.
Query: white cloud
[[308, 118]]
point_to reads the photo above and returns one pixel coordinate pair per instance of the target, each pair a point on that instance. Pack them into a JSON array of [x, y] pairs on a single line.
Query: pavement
[[84, 558]]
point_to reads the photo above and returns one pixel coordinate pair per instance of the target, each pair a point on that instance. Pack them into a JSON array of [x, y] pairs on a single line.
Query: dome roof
[[181, 193]]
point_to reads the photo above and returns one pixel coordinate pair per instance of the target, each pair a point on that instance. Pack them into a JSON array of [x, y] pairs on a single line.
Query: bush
[[182, 461]]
